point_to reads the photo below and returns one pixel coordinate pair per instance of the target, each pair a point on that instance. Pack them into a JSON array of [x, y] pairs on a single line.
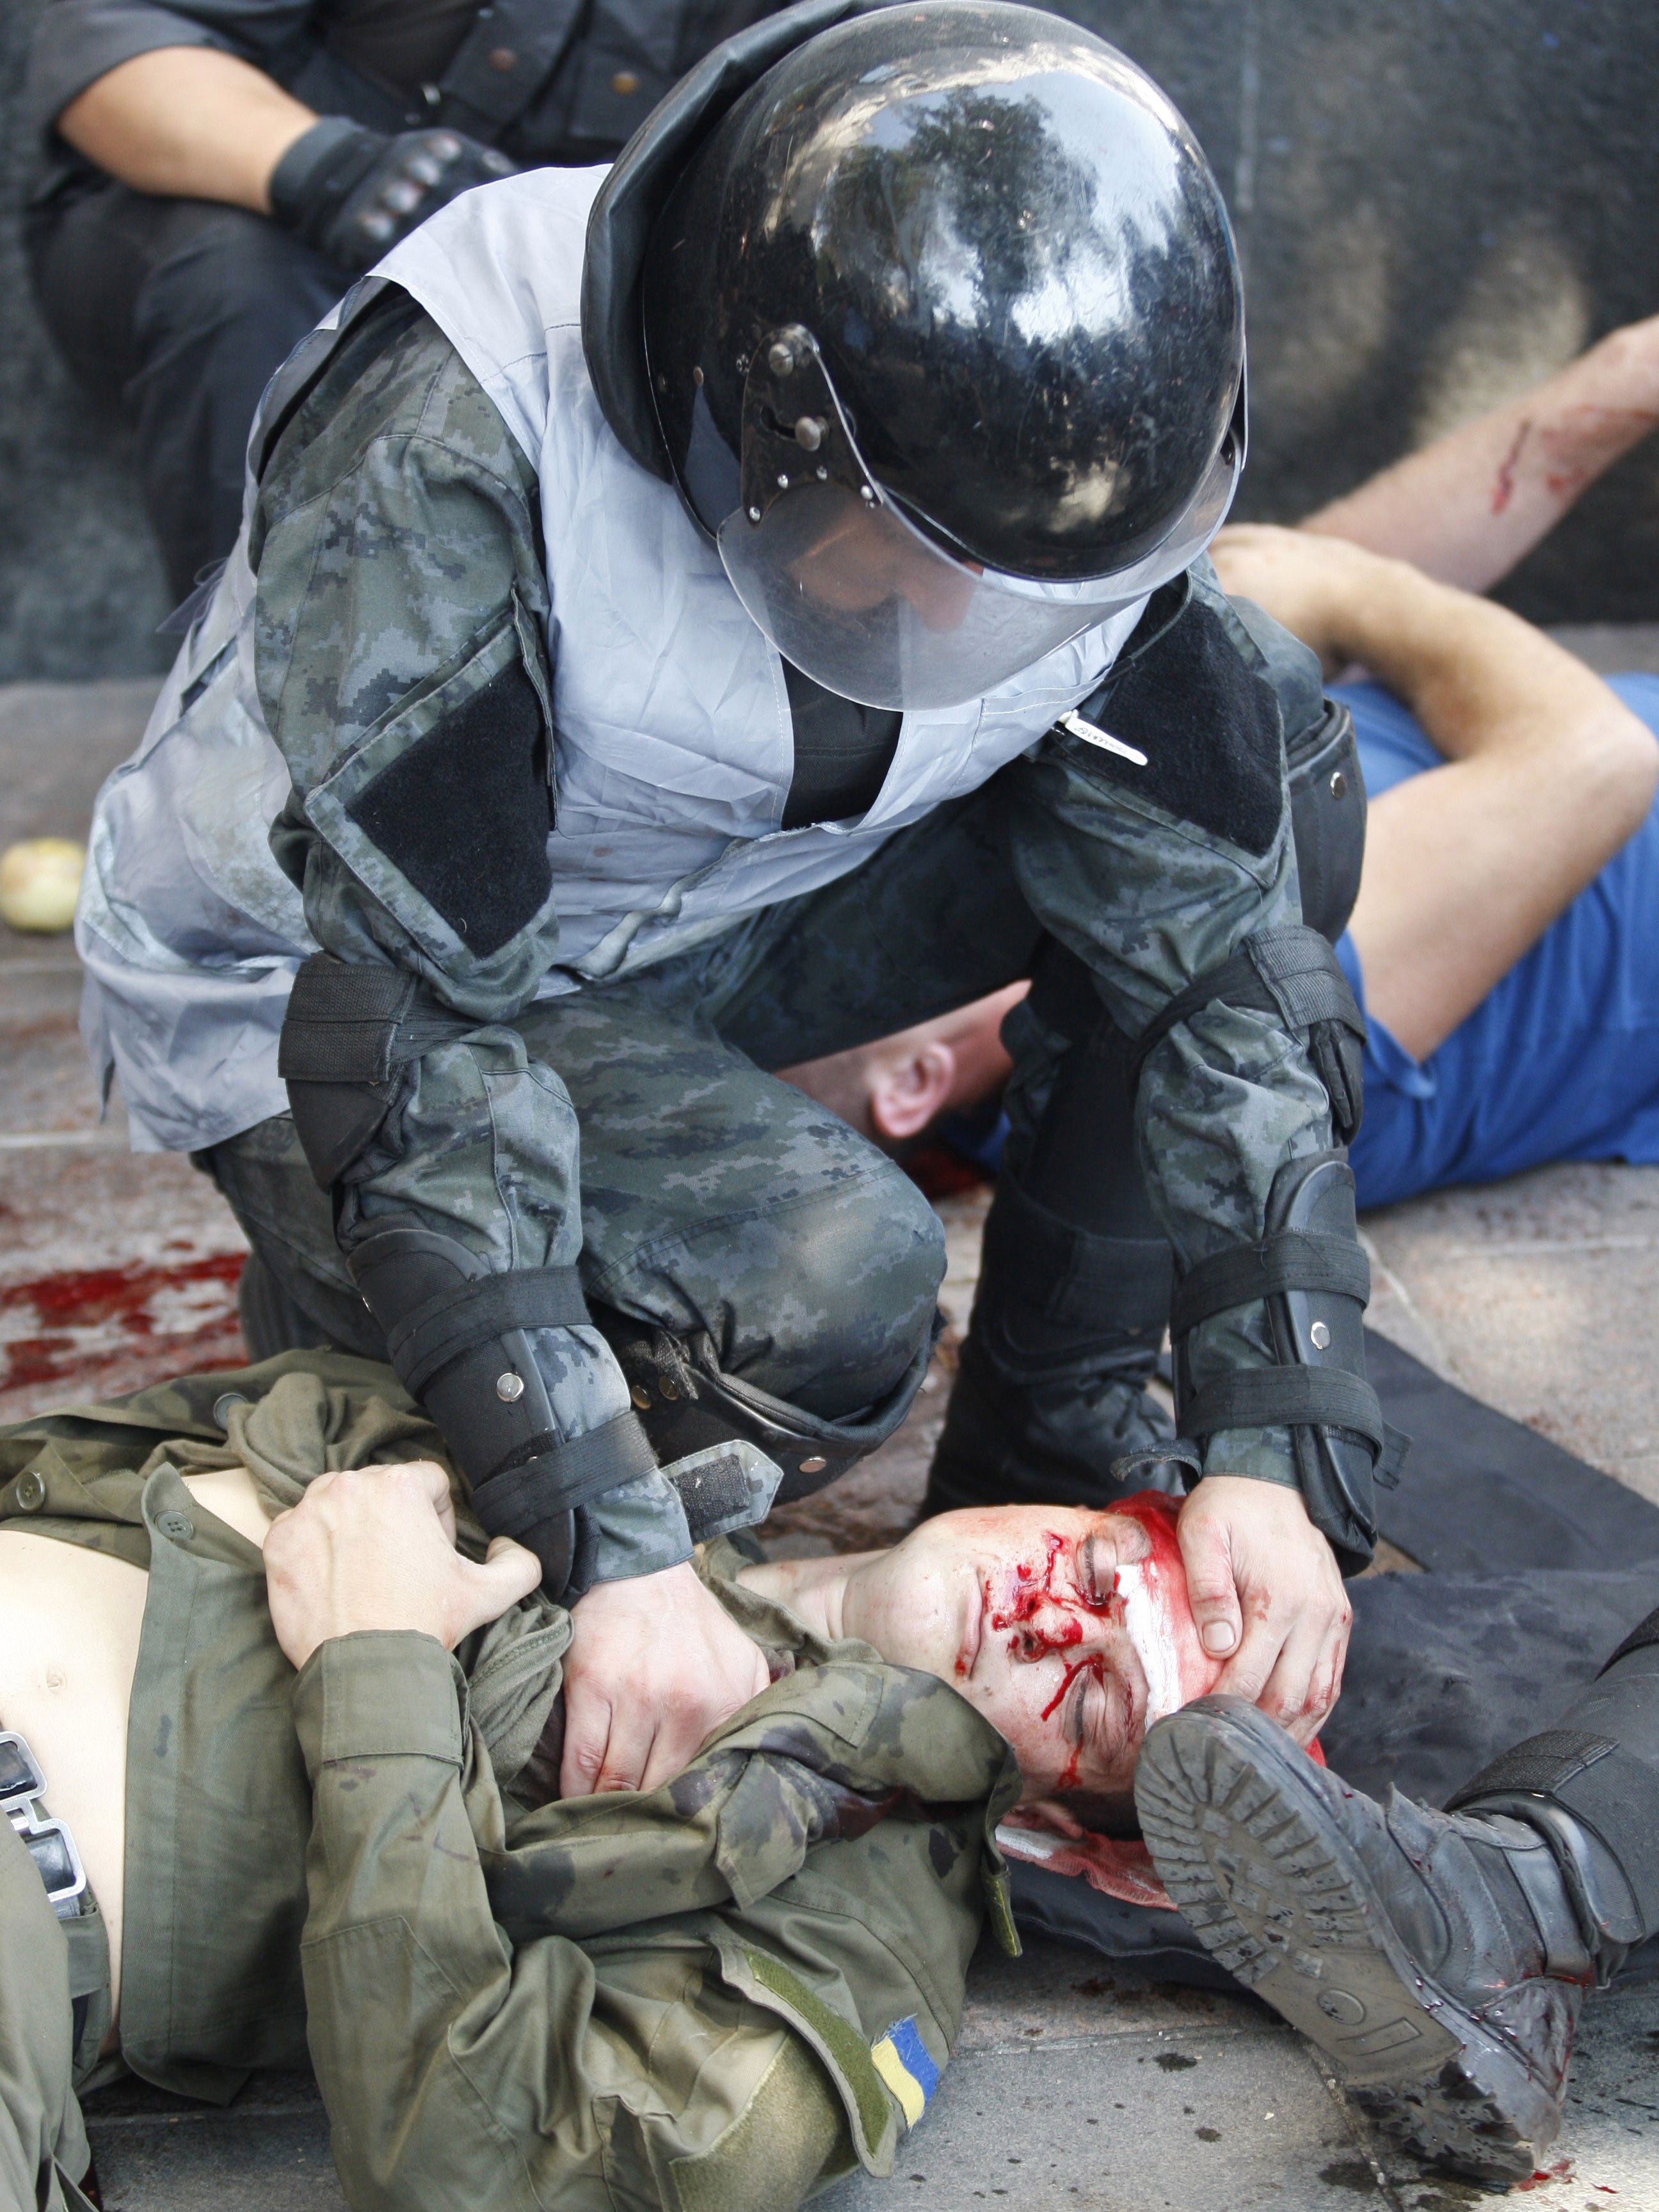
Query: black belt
[[47, 1842]]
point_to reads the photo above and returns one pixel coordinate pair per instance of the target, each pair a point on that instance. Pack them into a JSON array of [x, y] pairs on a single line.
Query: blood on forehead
[[1149, 1597], [1160, 1608], [1163, 1574], [1015, 1595], [1018, 1592], [1041, 1610], [1157, 1514]]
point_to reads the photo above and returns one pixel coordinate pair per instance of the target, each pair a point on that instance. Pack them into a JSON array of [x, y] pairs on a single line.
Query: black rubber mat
[[1481, 1492], [1445, 1671]]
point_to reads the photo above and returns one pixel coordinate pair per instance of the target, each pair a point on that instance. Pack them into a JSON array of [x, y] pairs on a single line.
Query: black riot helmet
[[936, 317]]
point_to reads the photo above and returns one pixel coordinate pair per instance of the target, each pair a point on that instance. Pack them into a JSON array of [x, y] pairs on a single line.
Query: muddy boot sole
[[1249, 1853]]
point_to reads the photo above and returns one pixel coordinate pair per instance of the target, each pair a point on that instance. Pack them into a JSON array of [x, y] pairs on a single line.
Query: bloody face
[[1069, 1630]]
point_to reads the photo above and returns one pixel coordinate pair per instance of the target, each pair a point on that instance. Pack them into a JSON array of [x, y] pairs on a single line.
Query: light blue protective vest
[[673, 754]]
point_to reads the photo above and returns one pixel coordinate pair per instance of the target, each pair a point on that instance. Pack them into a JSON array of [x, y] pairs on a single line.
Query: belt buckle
[[48, 1842]]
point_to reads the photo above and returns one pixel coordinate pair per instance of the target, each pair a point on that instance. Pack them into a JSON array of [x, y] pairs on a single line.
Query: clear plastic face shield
[[855, 595]]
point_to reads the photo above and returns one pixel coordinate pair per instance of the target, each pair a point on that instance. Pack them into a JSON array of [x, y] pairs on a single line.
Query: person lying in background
[[1469, 507], [1501, 942]]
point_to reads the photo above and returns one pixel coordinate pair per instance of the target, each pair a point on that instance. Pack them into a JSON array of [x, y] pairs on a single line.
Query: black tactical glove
[[352, 193]]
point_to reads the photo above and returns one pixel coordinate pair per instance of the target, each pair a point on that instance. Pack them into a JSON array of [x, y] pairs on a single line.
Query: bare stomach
[[70, 1625]]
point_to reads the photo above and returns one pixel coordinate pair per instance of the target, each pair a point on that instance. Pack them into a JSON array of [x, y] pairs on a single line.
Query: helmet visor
[[849, 589]]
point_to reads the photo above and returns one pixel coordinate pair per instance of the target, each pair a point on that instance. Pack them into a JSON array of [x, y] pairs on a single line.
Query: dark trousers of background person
[[178, 312]]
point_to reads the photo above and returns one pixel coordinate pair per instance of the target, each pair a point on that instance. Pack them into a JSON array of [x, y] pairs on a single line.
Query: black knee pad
[[1076, 1262], [1051, 1293]]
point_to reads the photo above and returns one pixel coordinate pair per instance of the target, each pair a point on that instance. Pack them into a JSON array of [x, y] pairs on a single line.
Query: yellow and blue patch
[[906, 2065]]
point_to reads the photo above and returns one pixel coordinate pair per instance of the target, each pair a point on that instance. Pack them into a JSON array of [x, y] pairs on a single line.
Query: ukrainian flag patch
[[906, 2065]]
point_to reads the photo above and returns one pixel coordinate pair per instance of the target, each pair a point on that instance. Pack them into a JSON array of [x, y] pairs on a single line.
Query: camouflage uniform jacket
[[706, 1996]]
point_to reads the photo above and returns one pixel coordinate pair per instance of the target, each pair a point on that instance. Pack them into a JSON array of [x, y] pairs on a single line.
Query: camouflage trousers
[[716, 1197]]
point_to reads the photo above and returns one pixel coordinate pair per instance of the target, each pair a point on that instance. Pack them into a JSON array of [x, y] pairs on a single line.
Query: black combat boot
[[1439, 1959], [1047, 1439], [1074, 1285]]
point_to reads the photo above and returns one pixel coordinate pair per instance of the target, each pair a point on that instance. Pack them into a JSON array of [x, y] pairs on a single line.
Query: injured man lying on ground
[[283, 1743]]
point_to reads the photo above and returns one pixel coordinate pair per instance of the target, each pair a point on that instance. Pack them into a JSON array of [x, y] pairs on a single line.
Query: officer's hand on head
[[1267, 1597], [655, 1663], [352, 193], [374, 1547]]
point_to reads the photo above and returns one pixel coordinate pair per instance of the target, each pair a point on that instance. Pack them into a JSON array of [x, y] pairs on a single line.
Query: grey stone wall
[[1438, 203], [1438, 200]]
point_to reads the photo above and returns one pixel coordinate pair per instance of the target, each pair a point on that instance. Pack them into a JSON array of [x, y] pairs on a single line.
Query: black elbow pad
[[338, 1057], [348, 1033], [1314, 1277]]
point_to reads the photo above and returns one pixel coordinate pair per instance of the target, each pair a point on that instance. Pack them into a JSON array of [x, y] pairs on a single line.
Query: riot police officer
[[688, 621]]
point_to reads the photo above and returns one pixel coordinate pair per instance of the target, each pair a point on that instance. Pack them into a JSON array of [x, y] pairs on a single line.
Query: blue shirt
[[1560, 1061]]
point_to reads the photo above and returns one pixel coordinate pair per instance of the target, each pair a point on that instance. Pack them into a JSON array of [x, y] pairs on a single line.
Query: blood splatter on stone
[[67, 1326]]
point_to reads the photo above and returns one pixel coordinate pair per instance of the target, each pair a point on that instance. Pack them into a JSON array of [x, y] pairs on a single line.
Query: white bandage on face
[[1151, 1629]]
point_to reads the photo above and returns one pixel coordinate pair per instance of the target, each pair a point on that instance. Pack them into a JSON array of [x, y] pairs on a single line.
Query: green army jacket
[[712, 1994]]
